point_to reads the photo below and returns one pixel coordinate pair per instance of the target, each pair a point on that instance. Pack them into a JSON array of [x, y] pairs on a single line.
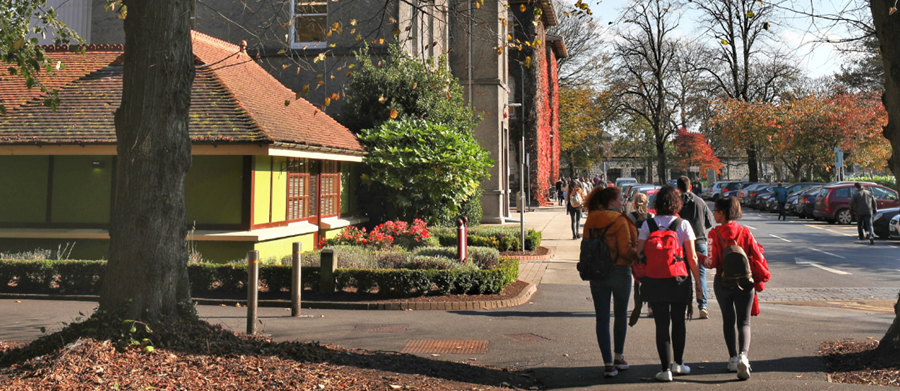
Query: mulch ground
[[851, 362], [536, 252], [194, 355]]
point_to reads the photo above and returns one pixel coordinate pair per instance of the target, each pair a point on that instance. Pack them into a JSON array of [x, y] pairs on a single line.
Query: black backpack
[[594, 262], [736, 271]]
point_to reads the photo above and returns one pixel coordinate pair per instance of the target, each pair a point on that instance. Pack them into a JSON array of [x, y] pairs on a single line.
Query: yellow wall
[[261, 177], [279, 189], [280, 248]]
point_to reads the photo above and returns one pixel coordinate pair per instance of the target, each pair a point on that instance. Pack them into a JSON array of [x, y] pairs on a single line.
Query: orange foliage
[[691, 149]]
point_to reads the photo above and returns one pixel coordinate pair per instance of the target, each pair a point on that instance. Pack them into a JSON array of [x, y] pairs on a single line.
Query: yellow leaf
[[396, 31], [393, 113], [327, 101], [349, 73], [306, 89], [335, 96], [382, 99], [285, 66], [509, 36], [527, 62], [415, 85], [358, 37], [281, 51], [522, 7], [499, 50], [448, 95], [477, 5], [379, 63], [320, 82], [319, 76], [353, 22], [724, 42], [335, 26], [381, 41], [328, 34]]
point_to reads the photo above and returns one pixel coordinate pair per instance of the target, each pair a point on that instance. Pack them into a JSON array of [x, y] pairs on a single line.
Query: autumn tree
[[646, 50], [691, 149], [583, 115]]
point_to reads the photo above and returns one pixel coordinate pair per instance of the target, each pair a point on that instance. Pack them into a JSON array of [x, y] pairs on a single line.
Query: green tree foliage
[[582, 118], [21, 55], [404, 87], [421, 169]]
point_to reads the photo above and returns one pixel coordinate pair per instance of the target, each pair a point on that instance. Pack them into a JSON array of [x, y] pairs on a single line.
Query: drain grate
[[445, 347], [380, 328], [527, 337]]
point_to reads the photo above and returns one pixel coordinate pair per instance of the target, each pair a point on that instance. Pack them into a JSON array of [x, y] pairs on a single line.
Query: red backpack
[[663, 253]]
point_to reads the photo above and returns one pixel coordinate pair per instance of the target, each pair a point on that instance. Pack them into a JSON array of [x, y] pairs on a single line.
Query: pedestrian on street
[[559, 192], [669, 297], [781, 196], [576, 202], [696, 212], [605, 214], [737, 303], [863, 204]]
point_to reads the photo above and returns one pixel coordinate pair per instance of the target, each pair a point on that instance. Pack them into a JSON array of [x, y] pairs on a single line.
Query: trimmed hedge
[[501, 238], [85, 277]]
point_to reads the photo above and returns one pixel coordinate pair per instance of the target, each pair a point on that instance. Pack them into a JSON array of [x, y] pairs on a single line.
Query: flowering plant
[[383, 236]]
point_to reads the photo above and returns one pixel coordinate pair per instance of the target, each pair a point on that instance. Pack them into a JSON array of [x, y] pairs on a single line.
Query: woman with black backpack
[[605, 218], [735, 290], [666, 243]]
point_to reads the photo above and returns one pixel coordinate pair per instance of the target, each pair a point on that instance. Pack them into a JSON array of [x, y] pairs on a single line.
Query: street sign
[[838, 157], [694, 168]]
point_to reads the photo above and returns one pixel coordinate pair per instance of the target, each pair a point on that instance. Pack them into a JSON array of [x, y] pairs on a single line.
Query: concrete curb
[[520, 299]]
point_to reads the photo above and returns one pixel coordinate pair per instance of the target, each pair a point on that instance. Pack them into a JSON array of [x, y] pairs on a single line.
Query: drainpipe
[[471, 63]]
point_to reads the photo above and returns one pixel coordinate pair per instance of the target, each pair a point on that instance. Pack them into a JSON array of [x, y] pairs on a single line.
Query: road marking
[[826, 252], [750, 227], [802, 261], [777, 237], [829, 230]]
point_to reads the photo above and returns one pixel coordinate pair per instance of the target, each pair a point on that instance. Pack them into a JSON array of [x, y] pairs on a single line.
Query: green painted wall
[[262, 173], [24, 189], [349, 184], [81, 193], [279, 189], [212, 190], [275, 250], [81, 249]]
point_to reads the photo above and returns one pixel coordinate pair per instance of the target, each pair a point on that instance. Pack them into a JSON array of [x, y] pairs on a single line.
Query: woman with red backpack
[[741, 271], [666, 246]]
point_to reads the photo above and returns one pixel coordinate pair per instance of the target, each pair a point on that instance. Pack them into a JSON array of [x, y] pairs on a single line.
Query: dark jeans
[[864, 226], [668, 347], [559, 197], [736, 305], [618, 285], [700, 246], [781, 214], [575, 213]]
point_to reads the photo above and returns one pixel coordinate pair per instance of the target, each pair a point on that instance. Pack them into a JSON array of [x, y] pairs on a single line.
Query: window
[[331, 188], [299, 190], [884, 194], [842, 192], [310, 24]]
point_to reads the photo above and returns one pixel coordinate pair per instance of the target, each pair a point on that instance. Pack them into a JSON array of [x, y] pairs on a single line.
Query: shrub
[[349, 257], [501, 238], [391, 259], [884, 180], [397, 233], [484, 257], [445, 252], [425, 262]]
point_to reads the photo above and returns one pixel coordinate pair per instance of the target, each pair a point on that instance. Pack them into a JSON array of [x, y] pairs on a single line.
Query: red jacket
[[758, 265]]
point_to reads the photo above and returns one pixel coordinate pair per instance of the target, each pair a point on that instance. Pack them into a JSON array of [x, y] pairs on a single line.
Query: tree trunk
[[752, 165], [146, 276], [887, 28], [661, 162]]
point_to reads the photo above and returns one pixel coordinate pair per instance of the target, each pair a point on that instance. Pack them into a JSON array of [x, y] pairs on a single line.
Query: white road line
[[802, 261], [750, 227], [826, 252], [778, 237]]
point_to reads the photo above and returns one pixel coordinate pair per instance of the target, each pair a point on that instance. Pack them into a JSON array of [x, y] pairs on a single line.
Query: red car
[[833, 201]]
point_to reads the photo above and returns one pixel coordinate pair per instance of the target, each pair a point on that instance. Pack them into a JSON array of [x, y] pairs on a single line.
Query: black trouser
[[864, 226], [781, 214], [575, 213], [735, 305], [662, 314]]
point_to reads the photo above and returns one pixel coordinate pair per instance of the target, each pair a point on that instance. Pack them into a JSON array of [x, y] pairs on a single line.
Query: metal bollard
[[252, 289], [462, 239], [329, 262], [296, 286]]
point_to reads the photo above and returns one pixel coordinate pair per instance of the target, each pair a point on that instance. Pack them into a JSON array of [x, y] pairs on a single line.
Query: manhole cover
[[527, 337], [380, 328], [445, 347]]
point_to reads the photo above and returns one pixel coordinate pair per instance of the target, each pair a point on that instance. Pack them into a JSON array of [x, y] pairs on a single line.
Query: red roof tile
[[233, 99]]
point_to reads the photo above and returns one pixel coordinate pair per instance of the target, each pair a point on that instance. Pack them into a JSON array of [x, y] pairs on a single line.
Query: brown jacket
[[621, 235]]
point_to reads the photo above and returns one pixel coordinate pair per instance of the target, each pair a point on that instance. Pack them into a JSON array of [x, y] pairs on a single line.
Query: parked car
[[881, 222], [638, 188], [712, 189], [722, 188], [895, 227], [806, 202], [744, 192], [625, 181], [793, 198], [833, 201], [753, 200]]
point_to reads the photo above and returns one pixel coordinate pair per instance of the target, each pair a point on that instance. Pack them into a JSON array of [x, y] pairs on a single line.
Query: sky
[[795, 32]]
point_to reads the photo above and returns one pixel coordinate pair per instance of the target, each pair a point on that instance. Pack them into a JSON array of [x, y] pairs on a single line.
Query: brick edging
[[544, 257], [520, 299]]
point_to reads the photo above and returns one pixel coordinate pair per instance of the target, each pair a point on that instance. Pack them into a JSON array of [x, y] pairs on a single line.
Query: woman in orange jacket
[[605, 216]]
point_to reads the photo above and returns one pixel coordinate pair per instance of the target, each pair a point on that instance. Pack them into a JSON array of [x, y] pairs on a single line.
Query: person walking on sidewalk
[[559, 192], [576, 202], [863, 204], [638, 216], [696, 212], [781, 196], [669, 297], [737, 302], [605, 207]]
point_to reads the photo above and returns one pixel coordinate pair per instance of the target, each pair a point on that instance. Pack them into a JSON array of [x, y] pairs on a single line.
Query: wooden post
[[252, 289], [328, 266], [296, 285]]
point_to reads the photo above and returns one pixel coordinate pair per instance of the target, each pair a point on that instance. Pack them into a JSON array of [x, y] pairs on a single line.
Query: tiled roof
[[233, 100]]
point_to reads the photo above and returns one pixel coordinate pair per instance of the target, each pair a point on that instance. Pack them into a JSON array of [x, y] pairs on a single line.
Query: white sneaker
[[733, 364], [679, 369], [743, 367], [664, 376]]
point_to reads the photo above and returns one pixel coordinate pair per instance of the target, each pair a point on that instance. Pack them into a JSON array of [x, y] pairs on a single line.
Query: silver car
[[894, 227]]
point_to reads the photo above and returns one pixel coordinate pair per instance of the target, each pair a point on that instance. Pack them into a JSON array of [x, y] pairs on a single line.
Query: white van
[[624, 181]]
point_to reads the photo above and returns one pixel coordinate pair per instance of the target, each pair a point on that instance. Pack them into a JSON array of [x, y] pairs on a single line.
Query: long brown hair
[[600, 197]]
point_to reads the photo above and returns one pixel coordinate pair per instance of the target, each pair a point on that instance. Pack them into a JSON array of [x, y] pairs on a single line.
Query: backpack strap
[[675, 224], [651, 223]]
